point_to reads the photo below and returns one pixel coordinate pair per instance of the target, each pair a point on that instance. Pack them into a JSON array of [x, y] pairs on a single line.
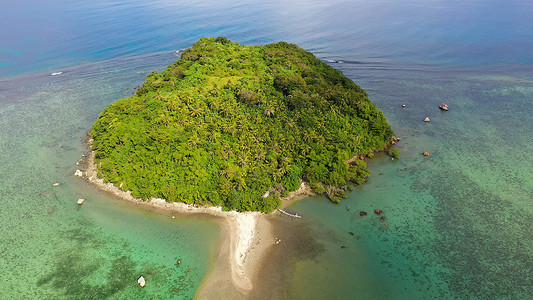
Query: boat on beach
[[290, 213]]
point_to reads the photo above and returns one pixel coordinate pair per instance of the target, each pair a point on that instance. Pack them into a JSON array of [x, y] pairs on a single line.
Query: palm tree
[[214, 136], [195, 112], [269, 111]]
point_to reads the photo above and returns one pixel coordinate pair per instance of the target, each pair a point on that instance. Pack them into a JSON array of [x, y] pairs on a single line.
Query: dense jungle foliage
[[227, 123]]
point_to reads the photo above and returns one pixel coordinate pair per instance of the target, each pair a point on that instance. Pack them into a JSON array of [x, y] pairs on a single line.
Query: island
[[230, 130]]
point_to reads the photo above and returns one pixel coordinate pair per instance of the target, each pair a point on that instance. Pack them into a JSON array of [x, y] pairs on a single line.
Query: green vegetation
[[394, 153], [226, 123]]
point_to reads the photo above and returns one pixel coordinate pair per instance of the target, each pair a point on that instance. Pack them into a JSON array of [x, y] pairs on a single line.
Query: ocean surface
[[458, 223]]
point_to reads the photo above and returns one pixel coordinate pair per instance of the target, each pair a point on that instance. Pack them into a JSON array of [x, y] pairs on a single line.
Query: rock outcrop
[[141, 281]]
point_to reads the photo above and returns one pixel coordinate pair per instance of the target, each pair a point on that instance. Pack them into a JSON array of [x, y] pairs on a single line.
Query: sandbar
[[246, 235]]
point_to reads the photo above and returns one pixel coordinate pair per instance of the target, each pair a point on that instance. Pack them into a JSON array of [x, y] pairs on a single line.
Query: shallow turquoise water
[[52, 248], [457, 223]]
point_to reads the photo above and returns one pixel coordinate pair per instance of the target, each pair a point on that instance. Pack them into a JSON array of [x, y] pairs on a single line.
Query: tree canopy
[[227, 123]]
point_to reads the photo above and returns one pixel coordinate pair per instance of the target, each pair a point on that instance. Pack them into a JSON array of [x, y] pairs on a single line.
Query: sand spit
[[241, 225], [237, 258]]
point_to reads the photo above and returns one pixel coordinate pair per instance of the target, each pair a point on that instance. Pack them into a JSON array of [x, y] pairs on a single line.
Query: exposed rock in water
[[80, 201], [426, 119], [78, 173], [141, 281], [426, 153], [444, 107]]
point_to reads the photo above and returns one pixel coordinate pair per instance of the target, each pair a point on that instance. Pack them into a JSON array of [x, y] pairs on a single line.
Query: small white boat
[[56, 73], [290, 213]]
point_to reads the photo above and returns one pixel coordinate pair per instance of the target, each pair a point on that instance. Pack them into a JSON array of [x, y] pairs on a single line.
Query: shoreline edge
[[241, 226]]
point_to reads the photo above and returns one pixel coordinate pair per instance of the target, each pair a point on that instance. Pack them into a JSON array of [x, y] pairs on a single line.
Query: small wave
[[332, 61]]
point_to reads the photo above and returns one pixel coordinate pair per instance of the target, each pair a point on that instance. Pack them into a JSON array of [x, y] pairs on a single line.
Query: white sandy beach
[[242, 226]]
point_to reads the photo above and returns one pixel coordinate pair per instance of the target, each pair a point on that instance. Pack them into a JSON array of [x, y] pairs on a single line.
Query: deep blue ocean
[[458, 223]]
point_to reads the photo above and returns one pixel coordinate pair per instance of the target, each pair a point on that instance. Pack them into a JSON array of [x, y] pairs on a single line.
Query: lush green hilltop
[[226, 123]]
